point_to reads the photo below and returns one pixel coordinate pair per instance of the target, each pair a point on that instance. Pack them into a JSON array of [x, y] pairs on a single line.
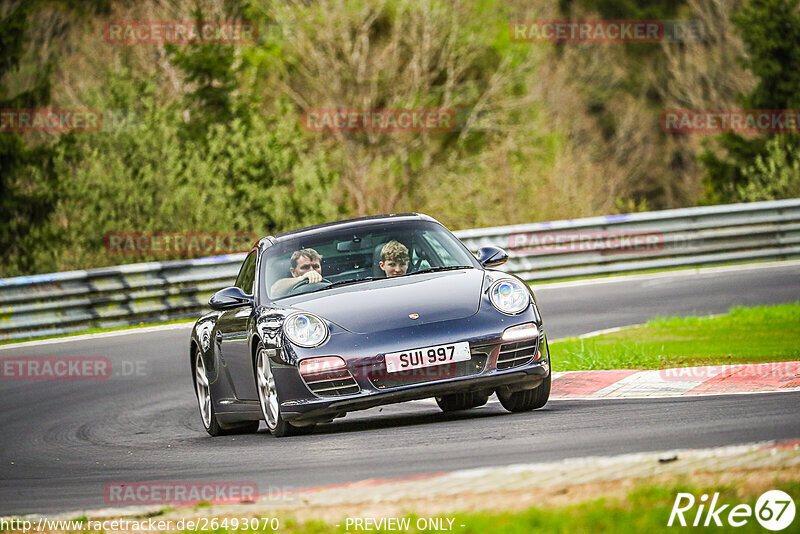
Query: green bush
[[772, 176], [142, 175]]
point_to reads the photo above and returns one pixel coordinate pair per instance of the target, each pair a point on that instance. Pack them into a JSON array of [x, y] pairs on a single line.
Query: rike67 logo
[[774, 510]]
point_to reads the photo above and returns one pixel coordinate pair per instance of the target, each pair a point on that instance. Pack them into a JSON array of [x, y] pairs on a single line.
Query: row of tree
[[209, 137]]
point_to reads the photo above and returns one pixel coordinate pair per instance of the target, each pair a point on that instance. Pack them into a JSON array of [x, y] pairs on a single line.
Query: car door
[[232, 329]]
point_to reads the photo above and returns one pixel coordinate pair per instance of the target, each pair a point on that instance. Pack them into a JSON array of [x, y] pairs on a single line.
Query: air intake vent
[[516, 354], [332, 383]]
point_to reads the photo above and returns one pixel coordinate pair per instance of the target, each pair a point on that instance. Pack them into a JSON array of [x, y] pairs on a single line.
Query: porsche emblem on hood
[[413, 316]]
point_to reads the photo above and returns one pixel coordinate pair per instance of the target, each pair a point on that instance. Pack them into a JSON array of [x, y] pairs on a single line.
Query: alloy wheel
[[267, 392], [201, 386]]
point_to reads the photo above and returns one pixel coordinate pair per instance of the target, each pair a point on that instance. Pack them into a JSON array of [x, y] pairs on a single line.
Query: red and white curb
[[682, 381], [708, 380]]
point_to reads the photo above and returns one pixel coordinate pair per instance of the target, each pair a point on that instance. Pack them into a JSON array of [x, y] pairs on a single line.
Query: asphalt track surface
[[61, 442]]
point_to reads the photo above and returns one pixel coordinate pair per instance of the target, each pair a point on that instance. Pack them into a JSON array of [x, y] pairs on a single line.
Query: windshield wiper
[[437, 269], [347, 282]]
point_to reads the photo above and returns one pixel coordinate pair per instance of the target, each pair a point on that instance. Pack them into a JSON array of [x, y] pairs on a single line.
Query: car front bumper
[[375, 387], [527, 377]]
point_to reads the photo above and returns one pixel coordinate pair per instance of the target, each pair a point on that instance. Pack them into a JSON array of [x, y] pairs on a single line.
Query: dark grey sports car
[[354, 314]]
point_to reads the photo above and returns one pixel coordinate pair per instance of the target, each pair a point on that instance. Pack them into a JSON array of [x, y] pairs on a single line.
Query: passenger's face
[[305, 264], [393, 268]]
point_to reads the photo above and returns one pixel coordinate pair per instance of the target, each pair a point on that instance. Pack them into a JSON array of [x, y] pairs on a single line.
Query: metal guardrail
[[50, 304], [757, 231], [66, 302]]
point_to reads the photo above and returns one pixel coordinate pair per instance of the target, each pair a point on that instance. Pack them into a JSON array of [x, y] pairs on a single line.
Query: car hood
[[386, 304]]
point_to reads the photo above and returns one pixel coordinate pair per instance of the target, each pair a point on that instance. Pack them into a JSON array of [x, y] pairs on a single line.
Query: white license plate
[[427, 357]]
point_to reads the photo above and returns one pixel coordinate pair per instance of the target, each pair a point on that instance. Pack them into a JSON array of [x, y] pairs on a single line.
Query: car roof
[[354, 223]]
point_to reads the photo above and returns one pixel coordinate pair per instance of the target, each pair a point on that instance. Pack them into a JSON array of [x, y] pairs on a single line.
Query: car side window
[[443, 256], [247, 274]]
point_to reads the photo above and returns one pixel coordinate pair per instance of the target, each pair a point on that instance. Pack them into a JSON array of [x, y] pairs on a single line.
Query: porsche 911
[[345, 316]]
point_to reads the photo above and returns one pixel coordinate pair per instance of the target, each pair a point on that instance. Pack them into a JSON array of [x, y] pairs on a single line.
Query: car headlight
[[305, 329], [509, 296]]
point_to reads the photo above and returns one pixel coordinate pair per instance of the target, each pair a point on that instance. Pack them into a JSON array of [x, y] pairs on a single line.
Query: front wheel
[[268, 397], [527, 399]]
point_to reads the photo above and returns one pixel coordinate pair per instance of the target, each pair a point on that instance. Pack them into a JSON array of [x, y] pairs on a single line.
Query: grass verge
[[646, 509], [759, 334]]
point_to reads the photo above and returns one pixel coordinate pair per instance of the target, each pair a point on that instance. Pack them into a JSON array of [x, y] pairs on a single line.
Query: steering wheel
[[305, 282]]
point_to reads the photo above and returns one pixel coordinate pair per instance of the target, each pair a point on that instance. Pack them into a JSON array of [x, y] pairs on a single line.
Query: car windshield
[[343, 257]]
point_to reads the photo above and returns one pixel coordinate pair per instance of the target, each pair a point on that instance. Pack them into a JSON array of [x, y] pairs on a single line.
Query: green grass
[[96, 331], [646, 510], [744, 335]]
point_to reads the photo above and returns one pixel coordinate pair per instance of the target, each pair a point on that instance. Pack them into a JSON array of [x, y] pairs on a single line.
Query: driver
[[306, 265]]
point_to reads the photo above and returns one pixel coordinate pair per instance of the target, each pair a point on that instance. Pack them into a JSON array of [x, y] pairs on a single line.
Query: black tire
[[302, 430], [461, 401], [245, 427], [527, 399], [271, 408], [210, 421]]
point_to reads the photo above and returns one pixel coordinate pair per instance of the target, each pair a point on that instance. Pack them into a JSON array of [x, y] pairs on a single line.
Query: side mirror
[[230, 297], [492, 256]]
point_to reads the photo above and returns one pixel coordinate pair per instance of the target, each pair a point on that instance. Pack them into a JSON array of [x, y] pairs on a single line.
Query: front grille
[[516, 354], [332, 383], [381, 379]]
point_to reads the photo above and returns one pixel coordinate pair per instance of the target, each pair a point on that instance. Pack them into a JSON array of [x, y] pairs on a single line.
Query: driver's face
[[305, 264]]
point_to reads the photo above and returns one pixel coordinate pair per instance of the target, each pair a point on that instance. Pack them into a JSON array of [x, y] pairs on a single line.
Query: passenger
[[394, 259], [305, 265]]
